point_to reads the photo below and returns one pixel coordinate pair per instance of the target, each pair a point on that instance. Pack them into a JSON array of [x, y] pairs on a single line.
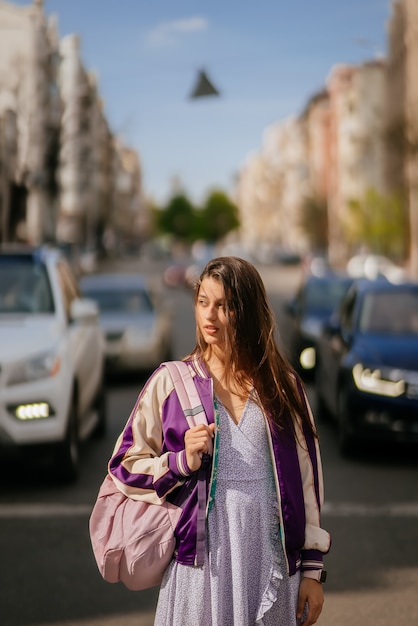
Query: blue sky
[[266, 58]]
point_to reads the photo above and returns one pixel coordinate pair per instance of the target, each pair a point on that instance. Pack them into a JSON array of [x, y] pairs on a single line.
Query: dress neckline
[[230, 417]]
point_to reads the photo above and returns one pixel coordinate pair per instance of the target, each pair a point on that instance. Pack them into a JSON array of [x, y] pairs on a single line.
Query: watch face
[[323, 576]]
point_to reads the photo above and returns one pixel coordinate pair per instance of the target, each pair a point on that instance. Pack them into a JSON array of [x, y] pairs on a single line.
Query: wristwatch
[[319, 575], [323, 576]]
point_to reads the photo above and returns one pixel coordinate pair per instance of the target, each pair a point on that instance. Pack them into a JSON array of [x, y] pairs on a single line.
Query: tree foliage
[[380, 223], [186, 222], [218, 216], [178, 218]]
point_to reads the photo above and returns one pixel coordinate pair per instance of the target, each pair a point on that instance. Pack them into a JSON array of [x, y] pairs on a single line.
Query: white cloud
[[167, 33]]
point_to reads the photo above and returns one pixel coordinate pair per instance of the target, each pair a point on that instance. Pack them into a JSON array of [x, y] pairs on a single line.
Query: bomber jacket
[[149, 463]]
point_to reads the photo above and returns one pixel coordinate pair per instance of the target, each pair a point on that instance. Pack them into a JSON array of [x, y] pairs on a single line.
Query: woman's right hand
[[196, 442]]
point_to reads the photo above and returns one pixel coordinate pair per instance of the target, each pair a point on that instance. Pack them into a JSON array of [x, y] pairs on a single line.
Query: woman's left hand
[[310, 593]]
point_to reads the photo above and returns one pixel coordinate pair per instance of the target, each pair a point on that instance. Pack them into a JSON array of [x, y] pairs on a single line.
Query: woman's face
[[211, 317]]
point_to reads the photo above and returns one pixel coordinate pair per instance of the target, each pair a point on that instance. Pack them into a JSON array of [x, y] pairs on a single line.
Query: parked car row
[[367, 364], [58, 337], [51, 359], [364, 355]]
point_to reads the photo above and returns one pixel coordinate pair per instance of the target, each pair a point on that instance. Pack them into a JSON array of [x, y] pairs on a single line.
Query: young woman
[[252, 552]]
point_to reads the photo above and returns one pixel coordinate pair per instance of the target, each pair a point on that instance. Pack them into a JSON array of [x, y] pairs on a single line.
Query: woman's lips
[[211, 330]]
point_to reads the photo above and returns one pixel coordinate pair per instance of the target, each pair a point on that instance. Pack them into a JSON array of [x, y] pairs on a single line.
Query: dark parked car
[[367, 363], [313, 303]]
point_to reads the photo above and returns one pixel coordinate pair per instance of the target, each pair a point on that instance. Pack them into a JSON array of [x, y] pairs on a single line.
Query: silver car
[[136, 327], [51, 359]]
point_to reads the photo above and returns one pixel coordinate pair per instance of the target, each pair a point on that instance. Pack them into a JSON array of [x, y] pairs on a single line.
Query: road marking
[[39, 510], [349, 509], [332, 509]]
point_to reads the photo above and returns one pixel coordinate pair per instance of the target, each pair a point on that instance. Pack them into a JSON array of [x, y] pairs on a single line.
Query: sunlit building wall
[[99, 155], [292, 161], [250, 196], [76, 166], [316, 123], [130, 220], [57, 152], [271, 190], [395, 123], [411, 93], [28, 56], [357, 145], [402, 117]]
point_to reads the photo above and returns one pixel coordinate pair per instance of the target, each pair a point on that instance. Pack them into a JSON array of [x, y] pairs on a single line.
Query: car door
[[86, 342], [336, 341]]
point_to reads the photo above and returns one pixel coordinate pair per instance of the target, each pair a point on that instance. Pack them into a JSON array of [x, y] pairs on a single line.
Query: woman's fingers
[[196, 441]]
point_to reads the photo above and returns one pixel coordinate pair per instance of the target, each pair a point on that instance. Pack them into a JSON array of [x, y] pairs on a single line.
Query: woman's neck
[[216, 365]]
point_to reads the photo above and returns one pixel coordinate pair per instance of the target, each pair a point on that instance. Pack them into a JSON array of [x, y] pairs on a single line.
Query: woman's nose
[[211, 313]]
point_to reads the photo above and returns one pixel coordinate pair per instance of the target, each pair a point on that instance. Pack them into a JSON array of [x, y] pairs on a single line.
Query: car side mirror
[[291, 308], [332, 326], [84, 310]]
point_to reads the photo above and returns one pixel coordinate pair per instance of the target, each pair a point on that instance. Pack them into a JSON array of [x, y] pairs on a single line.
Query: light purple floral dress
[[244, 580]]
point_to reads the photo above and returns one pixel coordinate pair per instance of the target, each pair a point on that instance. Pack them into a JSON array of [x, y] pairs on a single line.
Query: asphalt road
[[48, 576]]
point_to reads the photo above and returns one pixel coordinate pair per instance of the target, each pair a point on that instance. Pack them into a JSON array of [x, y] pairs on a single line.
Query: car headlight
[[375, 381], [307, 358], [41, 366]]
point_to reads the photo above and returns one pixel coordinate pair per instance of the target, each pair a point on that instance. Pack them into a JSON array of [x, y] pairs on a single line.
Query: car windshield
[[24, 286], [390, 312], [121, 301], [324, 296]]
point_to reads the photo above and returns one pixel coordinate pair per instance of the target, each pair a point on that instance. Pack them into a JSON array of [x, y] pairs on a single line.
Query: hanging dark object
[[203, 87]]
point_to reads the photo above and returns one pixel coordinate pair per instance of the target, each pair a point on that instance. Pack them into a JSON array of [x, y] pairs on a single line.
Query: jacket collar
[[199, 366]]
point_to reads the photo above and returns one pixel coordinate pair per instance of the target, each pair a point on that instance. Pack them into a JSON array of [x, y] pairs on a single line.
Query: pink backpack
[[133, 541]]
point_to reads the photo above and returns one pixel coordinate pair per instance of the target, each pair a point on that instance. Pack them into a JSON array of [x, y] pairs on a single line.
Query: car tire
[[100, 406], [321, 410], [67, 453], [346, 440]]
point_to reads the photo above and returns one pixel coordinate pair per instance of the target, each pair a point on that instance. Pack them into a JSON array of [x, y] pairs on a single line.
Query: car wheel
[[100, 407], [346, 439], [321, 410], [67, 453]]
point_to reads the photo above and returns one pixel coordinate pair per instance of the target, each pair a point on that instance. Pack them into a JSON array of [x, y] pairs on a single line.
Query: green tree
[[218, 216], [380, 222], [178, 218]]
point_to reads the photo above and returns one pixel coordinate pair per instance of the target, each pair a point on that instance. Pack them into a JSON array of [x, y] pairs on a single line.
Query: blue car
[[367, 364], [311, 306]]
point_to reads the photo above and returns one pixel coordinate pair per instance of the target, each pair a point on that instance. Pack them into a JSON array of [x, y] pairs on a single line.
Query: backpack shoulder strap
[[187, 393]]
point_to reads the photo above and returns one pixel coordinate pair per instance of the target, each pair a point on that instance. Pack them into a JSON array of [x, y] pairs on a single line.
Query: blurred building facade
[[271, 189], [402, 116], [29, 121], [331, 154], [58, 179], [360, 133], [411, 75], [356, 162], [132, 218]]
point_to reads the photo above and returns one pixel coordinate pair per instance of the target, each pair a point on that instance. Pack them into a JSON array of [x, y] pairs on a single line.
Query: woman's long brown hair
[[251, 352]]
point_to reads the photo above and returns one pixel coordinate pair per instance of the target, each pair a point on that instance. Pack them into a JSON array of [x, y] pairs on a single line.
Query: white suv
[[51, 358]]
